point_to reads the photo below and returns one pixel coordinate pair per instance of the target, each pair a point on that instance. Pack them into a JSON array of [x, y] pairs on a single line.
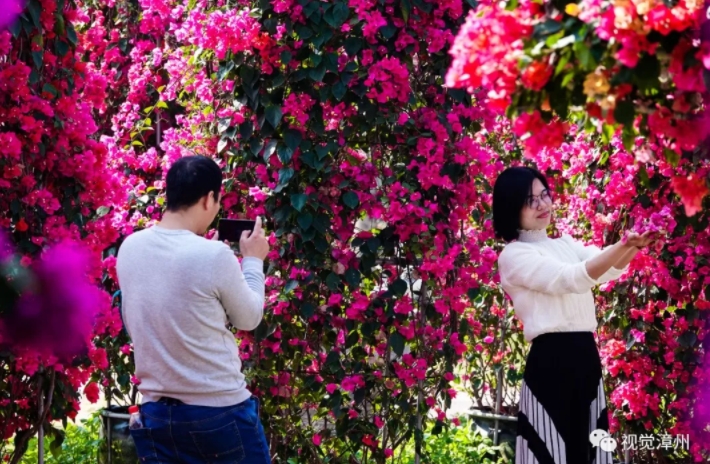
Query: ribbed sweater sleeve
[[587, 252], [522, 265], [241, 293]]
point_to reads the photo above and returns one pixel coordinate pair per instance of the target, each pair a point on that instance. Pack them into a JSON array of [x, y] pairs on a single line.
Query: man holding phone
[[179, 293]]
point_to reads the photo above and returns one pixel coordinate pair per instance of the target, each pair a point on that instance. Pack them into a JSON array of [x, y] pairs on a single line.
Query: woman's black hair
[[510, 192]]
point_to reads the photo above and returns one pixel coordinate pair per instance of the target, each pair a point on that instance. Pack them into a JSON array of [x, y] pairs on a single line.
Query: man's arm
[[242, 293]]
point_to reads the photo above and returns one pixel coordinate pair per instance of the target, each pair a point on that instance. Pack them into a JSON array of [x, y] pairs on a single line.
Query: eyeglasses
[[533, 201]]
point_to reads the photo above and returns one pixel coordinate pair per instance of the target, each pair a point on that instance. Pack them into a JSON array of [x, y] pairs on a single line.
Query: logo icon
[[602, 439]]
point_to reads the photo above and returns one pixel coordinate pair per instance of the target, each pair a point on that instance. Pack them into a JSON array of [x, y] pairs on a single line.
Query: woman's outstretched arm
[[617, 255]]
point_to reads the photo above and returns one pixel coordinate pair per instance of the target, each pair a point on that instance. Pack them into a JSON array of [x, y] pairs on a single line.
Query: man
[[179, 292]]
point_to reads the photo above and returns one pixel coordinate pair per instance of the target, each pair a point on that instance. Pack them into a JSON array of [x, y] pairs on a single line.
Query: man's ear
[[206, 201]]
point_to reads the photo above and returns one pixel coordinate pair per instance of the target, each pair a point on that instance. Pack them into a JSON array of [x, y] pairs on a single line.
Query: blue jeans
[[174, 432]]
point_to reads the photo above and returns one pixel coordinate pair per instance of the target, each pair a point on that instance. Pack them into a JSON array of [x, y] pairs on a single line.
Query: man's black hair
[[511, 190], [191, 178]]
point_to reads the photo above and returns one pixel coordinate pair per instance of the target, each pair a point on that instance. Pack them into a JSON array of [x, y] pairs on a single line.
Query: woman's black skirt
[[562, 402]]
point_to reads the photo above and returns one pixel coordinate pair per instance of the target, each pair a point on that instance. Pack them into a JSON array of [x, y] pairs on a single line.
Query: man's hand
[[254, 243]]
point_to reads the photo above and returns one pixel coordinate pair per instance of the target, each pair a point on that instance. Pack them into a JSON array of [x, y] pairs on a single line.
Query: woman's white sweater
[[548, 282]]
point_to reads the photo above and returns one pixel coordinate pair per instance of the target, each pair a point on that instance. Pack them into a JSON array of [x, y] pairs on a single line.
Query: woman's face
[[537, 211]]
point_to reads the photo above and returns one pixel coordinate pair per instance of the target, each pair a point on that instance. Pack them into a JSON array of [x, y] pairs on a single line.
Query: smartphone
[[231, 229]]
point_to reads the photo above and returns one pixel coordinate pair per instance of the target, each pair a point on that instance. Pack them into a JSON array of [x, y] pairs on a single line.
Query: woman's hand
[[633, 239]]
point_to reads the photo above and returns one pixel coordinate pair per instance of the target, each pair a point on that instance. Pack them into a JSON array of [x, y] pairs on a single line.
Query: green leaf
[[285, 175], [337, 15], [304, 32], [318, 73], [373, 244], [308, 234], [628, 137], [352, 277], [333, 281], [293, 138], [222, 144], [388, 31], [607, 133], [321, 223], [71, 34], [406, 9], [49, 88], [630, 342], [559, 40], [223, 124], [255, 146], [322, 151], [62, 48], [643, 176], [562, 64], [647, 72], [473, 293], [290, 286], [298, 201], [352, 46], [322, 38], [399, 287], [224, 71], [35, 10], [624, 112], [673, 158], [339, 90], [278, 79], [124, 380], [103, 211], [397, 343], [604, 158], [56, 446], [269, 149], [262, 331], [285, 153], [248, 75], [37, 58], [230, 133], [688, 339], [309, 158], [331, 62], [548, 27], [307, 310], [351, 199], [286, 57], [305, 220], [273, 115], [584, 56], [332, 363], [15, 28]]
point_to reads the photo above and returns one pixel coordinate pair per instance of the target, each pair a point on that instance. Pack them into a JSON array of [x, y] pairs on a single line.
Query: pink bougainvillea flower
[[691, 190], [9, 11], [91, 391], [56, 315], [536, 75]]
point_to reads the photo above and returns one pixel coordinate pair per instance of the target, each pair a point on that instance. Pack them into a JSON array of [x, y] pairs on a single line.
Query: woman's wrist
[[628, 246]]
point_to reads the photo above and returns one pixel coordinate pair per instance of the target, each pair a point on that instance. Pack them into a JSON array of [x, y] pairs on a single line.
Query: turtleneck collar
[[532, 235]]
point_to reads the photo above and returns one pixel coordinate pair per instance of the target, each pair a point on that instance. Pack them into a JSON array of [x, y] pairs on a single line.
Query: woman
[[550, 282]]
